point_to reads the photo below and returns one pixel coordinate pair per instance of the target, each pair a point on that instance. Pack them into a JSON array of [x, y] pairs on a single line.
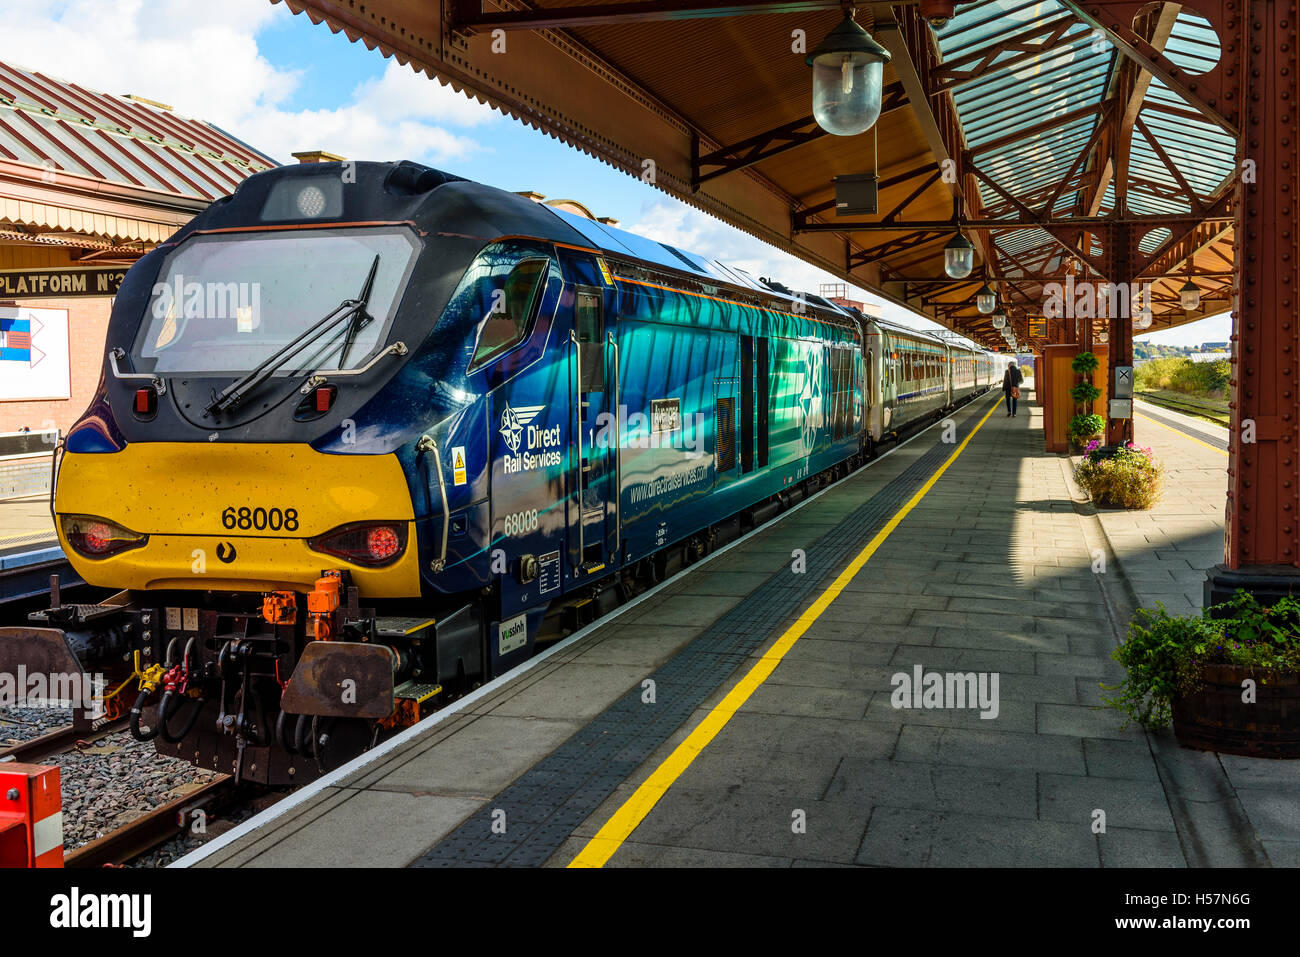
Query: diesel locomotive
[[367, 433]]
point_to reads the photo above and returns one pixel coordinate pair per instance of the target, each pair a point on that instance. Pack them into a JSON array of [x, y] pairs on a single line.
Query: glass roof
[[1028, 115], [1021, 92]]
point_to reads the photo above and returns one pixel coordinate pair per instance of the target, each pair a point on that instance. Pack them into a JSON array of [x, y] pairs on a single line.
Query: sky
[[1215, 329], [283, 84]]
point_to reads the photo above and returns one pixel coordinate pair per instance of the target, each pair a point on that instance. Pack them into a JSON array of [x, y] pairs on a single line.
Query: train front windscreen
[[226, 302]]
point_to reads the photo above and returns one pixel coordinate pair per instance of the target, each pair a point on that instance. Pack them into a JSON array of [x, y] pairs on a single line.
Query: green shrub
[[1085, 363], [1156, 374], [1129, 478], [1163, 654], [1202, 378], [1086, 426], [1183, 375], [1085, 393]]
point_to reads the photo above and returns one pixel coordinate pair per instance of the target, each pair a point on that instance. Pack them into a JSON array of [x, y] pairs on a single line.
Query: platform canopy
[[1035, 125]]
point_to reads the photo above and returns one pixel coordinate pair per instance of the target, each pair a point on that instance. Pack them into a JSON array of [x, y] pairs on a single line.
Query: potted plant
[[1228, 678], [1085, 394], [1084, 364], [1085, 427], [1125, 476]]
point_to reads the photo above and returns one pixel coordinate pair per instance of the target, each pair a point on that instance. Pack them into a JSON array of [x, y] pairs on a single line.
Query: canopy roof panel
[[1041, 132]]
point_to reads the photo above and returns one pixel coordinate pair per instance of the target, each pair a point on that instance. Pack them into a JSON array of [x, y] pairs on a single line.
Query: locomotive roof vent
[[412, 179]]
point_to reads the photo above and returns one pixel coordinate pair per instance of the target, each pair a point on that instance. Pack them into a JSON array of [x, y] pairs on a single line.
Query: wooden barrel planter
[[1215, 718]]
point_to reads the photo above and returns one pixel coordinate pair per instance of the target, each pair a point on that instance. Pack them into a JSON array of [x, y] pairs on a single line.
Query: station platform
[[772, 737], [25, 524]]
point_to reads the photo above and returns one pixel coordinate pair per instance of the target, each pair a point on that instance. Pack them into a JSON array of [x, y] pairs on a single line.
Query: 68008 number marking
[[260, 519], [521, 522]]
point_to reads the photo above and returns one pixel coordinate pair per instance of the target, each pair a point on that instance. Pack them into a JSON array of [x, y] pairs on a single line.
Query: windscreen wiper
[[360, 318], [348, 308]]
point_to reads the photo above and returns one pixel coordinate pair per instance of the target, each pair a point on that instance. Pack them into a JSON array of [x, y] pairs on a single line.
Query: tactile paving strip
[[549, 801]]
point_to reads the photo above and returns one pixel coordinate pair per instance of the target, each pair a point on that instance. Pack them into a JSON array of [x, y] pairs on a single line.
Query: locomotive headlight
[[98, 537], [382, 543], [311, 201], [305, 197], [364, 543]]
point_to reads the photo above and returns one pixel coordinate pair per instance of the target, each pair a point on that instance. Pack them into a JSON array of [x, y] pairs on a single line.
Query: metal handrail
[[577, 411], [319, 378], [117, 352], [427, 444], [618, 457]]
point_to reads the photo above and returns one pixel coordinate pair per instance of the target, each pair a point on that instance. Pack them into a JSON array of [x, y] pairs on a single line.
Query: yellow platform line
[[627, 818], [1180, 434]]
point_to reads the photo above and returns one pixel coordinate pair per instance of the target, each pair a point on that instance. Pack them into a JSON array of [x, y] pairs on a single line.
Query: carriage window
[[587, 321], [510, 310]]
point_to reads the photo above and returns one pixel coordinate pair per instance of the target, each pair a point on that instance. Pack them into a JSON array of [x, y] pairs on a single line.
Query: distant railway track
[[1187, 408]]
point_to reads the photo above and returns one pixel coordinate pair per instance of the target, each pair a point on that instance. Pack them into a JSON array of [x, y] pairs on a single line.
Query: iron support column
[[1262, 542], [1121, 268]]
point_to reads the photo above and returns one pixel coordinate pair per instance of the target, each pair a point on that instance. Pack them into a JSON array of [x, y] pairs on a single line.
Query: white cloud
[[203, 60], [394, 117]]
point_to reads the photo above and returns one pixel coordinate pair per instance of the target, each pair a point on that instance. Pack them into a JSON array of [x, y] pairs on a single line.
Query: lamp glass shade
[[1144, 318], [1190, 295], [958, 257], [986, 300], [999, 320], [848, 77], [1102, 337]]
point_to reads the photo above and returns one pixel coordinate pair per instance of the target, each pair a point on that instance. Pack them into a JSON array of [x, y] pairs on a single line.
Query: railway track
[[143, 833], [41, 749], [1186, 408], [154, 827]]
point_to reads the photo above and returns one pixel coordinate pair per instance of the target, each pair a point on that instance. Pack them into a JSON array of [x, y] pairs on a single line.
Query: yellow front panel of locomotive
[[200, 503]]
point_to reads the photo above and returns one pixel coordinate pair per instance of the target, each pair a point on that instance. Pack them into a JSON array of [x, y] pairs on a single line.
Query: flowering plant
[[1125, 477]]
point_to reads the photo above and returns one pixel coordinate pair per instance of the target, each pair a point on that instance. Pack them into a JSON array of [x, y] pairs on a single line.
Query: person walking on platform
[[1011, 380]]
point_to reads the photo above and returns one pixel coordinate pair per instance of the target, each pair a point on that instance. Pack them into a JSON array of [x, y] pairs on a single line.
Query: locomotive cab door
[[593, 524]]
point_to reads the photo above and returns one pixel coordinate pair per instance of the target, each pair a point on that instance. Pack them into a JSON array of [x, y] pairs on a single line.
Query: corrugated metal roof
[[51, 123]]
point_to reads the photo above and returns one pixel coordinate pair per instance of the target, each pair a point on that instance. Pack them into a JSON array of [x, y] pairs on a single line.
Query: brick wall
[[87, 327]]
